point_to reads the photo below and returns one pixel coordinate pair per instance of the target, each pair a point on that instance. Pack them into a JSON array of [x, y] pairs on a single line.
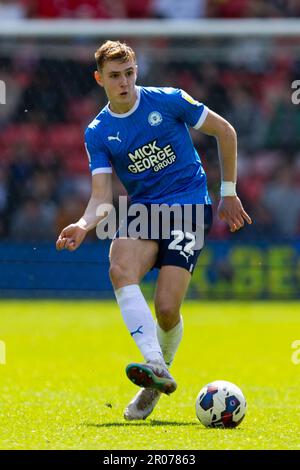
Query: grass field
[[64, 385]]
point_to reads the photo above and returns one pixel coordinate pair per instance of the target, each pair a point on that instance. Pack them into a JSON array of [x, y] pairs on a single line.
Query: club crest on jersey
[[154, 118]]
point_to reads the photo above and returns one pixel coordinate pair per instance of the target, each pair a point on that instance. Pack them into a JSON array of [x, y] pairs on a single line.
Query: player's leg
[[172, 284], [171, 287], [177, 264], [130, 260]]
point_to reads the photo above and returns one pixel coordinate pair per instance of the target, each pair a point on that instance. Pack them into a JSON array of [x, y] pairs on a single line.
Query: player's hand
[[71, 237], [232, 212]]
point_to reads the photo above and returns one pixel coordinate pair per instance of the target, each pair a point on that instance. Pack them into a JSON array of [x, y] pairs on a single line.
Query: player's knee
[[119, 275], [116, 273], [167, 315]]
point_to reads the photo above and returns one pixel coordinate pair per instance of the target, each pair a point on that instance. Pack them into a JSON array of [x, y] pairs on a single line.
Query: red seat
[[65, 138], [77, 163], [28, 134]]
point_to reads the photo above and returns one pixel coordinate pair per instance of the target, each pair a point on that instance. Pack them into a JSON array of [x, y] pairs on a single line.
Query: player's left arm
[[230, 207]]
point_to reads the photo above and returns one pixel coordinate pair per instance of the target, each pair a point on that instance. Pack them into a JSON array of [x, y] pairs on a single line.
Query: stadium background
[[51, 96], [62, 362]]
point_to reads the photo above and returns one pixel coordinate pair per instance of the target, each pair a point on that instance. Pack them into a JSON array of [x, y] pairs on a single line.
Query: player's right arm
[[73, 235]]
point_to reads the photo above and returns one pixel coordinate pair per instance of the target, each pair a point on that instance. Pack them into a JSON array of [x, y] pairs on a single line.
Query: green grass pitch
[[64, 387]]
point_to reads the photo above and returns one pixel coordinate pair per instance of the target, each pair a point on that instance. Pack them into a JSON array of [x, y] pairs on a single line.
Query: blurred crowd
[[82, 9], [44, 176]]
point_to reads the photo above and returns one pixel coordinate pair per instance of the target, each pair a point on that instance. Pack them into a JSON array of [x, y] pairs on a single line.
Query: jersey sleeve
[[97, 153], [187, 109]]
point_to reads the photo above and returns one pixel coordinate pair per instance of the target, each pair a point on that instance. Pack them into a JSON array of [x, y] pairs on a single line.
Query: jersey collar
[[134, 107]]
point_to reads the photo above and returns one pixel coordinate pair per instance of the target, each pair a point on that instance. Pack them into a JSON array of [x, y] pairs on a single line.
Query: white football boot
[[155, 380], [142, 404]]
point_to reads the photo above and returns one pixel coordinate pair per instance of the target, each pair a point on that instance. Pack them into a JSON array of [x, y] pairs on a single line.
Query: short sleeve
[[98, 155], [189, 110]]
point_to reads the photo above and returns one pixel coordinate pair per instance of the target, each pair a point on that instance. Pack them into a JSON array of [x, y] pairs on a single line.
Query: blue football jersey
[[150, 147]]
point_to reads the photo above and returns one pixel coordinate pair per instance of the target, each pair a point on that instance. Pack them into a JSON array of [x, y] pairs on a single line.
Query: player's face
[[118, 79]]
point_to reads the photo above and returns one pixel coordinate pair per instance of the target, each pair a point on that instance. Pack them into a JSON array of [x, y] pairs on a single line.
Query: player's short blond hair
[[113, 50]]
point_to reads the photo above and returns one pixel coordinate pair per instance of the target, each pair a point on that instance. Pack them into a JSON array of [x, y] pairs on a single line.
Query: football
[[220, 404]]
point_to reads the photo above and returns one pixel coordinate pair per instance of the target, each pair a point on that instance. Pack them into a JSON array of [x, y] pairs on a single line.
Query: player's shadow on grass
[[143, 423]]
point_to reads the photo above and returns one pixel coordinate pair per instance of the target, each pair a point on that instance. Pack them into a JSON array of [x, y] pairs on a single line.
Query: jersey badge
[[154, 118]]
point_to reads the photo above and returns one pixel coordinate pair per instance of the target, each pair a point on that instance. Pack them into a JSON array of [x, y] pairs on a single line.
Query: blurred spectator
[[253, 8], [106, 9], [284, 123], [3, 189], [281, 197], [70, 210], [78, 9], [44, 169], [43, 100], [214, 92], [33, 222], [19, 172], [273, 8], [137, 9], [228, 8], [178, 9], [41, 186], [3, 203], [245, 115], [12, 10]]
